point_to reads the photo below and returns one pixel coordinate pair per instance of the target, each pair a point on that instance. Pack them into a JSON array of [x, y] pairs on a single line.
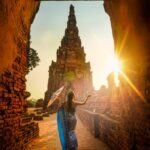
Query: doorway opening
[[95, 33]]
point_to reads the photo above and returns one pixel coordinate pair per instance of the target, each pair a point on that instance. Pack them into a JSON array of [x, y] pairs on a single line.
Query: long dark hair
[[70, 100]]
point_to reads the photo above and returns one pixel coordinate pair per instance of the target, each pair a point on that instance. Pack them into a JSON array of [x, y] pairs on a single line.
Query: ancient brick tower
[[70, 63]]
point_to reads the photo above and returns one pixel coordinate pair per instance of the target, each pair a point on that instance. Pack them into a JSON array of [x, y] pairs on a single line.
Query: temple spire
[[71, 24], [71, 9], [70, 64], [71, 37]]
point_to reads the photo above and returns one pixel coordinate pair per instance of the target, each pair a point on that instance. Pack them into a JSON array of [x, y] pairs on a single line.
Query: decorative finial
[[71, 9]]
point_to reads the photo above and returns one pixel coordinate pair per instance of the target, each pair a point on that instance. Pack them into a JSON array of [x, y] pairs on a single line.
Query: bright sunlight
[[114, 66]]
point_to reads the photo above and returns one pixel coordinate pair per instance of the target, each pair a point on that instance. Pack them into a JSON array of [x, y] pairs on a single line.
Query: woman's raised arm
[[81, 103]]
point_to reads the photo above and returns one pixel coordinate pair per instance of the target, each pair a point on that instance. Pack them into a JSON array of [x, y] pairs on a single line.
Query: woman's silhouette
[[66, 120]]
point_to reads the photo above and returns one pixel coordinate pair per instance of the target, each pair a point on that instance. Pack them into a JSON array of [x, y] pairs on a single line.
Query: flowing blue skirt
[[61, 123]]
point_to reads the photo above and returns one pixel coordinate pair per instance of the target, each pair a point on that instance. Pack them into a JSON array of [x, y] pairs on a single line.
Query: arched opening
[[125, 118], [94, 31]]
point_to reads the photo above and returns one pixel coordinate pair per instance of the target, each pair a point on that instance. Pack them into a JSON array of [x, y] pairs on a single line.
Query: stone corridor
[[49, 140]]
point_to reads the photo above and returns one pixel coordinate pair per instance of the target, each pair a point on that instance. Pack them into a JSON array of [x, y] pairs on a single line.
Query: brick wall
[[90, 120], [128, 131], [15, 134], [16, 18]]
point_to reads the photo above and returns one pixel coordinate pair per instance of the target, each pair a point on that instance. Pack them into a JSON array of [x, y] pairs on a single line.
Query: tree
[[31, 102], [39, 102], [33, 59], [27, 94]]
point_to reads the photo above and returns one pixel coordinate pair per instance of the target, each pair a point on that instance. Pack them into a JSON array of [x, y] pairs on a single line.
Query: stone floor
[[49, 139]]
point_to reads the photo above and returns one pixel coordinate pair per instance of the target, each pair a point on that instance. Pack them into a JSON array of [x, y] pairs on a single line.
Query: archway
[[89, 27], [44, 32], [17, 39]]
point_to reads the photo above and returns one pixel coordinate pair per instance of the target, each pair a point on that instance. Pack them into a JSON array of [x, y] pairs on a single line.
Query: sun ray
[[123, 41], [132, 85]]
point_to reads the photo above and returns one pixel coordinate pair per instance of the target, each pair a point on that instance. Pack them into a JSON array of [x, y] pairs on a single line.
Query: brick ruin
[[125, 125], [120, 116], [16, 129], [70, 63]]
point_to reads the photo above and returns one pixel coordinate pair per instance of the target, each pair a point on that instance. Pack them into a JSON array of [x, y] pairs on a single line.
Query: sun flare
[[115, 67]]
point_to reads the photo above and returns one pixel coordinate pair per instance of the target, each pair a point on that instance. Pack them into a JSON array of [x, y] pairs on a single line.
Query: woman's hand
[[81, 102], [88, 96]]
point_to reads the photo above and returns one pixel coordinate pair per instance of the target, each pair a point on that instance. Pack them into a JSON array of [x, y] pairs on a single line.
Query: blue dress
[[62, 127], [66, 122]]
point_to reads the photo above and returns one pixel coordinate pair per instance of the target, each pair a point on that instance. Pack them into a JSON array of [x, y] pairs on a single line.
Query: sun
[[115, 67]]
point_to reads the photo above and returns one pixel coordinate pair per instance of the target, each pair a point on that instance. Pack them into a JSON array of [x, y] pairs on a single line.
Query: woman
[[67, 122]]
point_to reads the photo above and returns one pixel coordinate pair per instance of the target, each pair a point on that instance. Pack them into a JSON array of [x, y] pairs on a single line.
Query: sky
[[48, 29]]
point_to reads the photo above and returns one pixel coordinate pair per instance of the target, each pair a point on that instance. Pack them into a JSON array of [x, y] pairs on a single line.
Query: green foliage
[[31, 102], [27, 94], [33, 59], [39, 102], [69, 76]]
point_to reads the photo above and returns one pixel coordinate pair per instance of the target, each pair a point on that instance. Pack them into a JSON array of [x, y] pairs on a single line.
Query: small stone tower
[[70, 64]]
